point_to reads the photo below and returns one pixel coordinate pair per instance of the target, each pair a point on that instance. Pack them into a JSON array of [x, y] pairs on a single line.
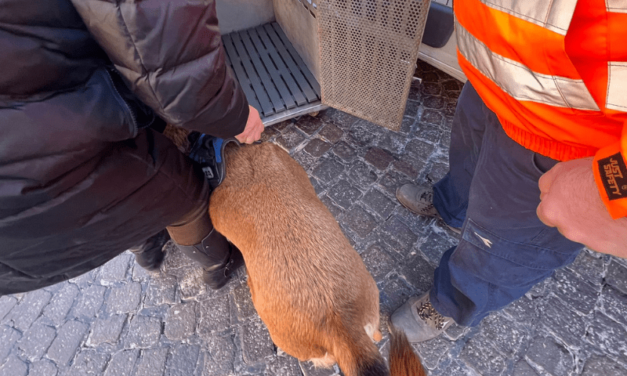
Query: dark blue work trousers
[[491, 191]]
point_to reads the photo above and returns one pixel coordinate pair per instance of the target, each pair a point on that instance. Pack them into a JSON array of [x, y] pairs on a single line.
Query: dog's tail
[[357, 355], [355, 352], [403, 360]]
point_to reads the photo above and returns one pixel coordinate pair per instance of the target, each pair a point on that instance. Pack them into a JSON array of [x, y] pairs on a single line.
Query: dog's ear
[[178, 135]]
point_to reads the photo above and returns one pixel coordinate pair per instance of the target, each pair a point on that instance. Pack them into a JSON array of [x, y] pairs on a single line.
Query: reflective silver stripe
[[554, 15], [616, 6], [519, 81], [616, 86]]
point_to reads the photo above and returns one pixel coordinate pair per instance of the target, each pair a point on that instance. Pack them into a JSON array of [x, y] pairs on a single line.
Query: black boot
[[150, 254], [219, 258]]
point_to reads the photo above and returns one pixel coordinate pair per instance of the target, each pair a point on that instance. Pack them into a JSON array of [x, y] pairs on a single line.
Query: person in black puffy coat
[[85, 88]]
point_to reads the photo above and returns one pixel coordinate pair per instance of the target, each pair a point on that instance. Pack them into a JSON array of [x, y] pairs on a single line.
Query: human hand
[[570, 201], [254, 128]]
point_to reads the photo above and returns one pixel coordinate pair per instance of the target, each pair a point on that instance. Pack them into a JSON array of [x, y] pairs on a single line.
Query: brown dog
[[309, 286]]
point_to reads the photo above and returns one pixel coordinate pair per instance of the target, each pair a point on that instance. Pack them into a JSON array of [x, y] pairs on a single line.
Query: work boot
[[419, 320], [150, 254], [208, 152], [419, 200], [217, 256]]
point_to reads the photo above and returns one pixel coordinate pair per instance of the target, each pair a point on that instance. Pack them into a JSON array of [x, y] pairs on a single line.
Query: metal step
[[273, 76]]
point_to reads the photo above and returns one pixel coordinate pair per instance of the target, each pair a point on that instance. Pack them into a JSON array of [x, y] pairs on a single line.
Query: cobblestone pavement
[[119, 320]]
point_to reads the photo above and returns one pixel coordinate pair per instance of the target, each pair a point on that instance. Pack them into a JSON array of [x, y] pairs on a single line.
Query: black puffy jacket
[[81, 179]]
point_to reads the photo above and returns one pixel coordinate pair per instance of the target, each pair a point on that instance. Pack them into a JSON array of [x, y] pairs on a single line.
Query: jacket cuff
[[610, 174]]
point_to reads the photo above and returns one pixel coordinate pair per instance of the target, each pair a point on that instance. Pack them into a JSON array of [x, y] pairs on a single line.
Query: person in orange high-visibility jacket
[[538, 154]]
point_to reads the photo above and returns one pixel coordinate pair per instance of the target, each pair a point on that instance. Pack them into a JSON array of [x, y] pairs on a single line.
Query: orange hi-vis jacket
[[555, 74]]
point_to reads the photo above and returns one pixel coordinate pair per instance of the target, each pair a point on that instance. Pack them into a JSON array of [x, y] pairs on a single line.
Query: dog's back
[[308, 284]]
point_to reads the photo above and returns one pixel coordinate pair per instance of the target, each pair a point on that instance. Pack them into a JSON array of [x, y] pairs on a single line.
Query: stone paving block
[[269, 133], [115, 270], [398, 235], [502, 334], [122, 363], [214, 315], [409, 167], [36, 341], [393, 293], [411, 108], [243, 301], [13, 367], [484, 359], [143, 332], [344, 194], [359, 221], [42, 368], [181, 360], [576, 292], [523, 310], [151, 362], [290, 138], [84, 280], [344, 151], [61, 303], [564, 323], [455, 368], [317, 184], [379, 158], [420, 149], [88, 363], [438, 171], [607, 335], [523, 368], [6, 305], [428, 132], [8, 338], [614, 304], [68, 339], [306, 160], [430, 116], [280, 127], [308, 124], [308, 369], [434, 103], [602, 366], [455, 332], [379, 203], [106, 330], [541, 289], [361, 174], [551, 356], [432, 351], [180, 321], [590, 268], [220, 357], [378, 262], [331, 133], [29, 309], [255, 342], [89, 302], [334, 209], [430, 88], [339, 118], [617, 276], [160, 291], [393, 142], [317, 147], [363, 133], [418, 272], [392, 180], [124, 299], [285, 366], [328, 170]]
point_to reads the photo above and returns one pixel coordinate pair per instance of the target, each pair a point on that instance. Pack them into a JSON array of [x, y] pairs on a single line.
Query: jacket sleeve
[[610, 173], [171, 56]]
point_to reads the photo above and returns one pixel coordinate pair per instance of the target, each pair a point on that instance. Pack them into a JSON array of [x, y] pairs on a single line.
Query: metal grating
[[273, 76], [368, 52]]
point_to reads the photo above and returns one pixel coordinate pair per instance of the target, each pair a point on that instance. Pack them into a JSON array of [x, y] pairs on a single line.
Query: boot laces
[[428, 313]]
